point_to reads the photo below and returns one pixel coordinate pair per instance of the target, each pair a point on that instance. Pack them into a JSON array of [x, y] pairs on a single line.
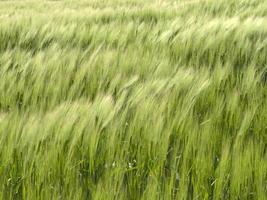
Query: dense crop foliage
[[133, 99]]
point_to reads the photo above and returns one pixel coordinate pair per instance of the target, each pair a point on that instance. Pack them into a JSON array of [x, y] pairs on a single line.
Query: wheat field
[[133, 99]]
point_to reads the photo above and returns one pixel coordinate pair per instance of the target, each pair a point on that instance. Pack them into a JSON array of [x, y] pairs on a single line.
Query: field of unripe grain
[[133, 99]]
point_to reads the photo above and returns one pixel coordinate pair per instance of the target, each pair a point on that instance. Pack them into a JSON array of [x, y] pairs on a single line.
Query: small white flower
[[130, 165]]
